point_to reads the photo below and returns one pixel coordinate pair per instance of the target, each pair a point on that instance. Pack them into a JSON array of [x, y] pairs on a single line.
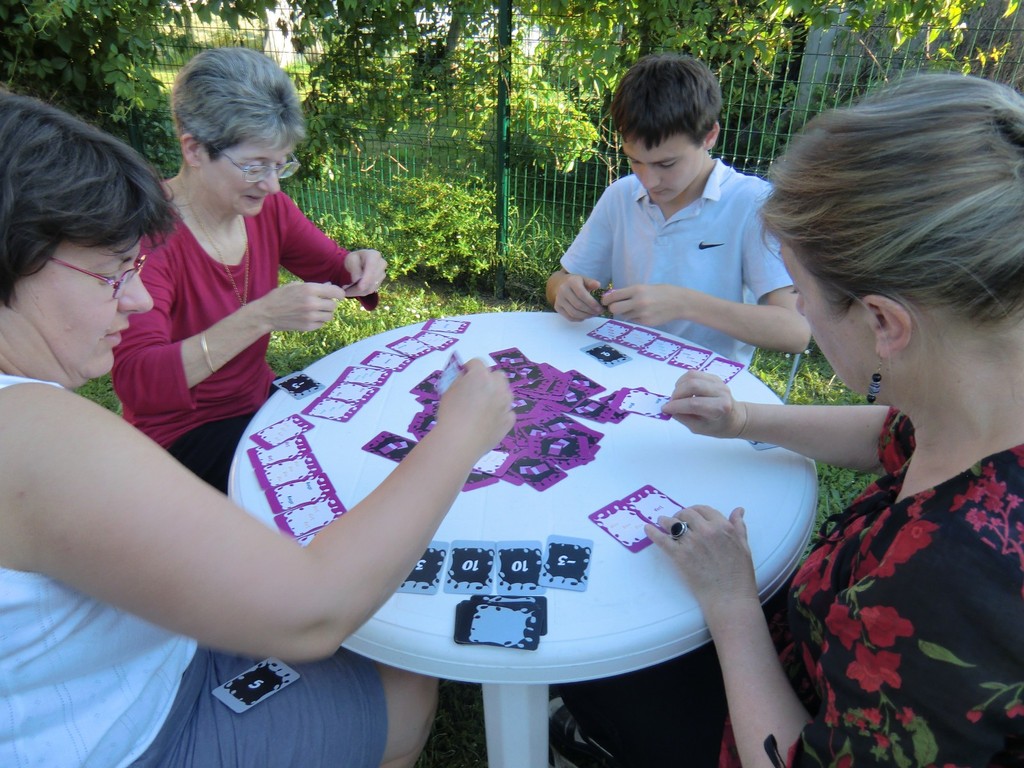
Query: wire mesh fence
[[490, 134]]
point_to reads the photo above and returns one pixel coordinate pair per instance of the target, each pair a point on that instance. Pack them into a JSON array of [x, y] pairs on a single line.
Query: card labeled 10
[[519, 568], [470, 568]]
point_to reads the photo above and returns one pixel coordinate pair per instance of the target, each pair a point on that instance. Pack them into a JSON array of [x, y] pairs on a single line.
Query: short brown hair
[[665, 95], [63, 180]]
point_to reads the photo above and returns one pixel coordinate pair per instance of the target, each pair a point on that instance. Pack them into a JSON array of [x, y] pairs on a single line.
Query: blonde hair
[[916, 193]]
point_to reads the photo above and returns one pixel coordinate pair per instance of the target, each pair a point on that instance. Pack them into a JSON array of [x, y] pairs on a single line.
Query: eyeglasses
[[117, 285], [255, 173]]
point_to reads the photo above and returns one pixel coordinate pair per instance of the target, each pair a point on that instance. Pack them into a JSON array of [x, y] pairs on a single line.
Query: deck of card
[[507, 622]]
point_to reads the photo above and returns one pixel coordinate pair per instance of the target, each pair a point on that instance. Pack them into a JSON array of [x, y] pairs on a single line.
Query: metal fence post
[[502, 126]]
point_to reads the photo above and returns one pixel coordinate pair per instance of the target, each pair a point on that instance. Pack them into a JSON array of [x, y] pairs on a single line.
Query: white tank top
[[81, 683]]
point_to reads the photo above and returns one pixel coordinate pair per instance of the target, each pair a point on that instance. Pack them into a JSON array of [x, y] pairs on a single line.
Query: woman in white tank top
[[119, 569]]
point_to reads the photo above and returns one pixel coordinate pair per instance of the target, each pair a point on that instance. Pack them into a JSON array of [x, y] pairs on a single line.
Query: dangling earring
[[876, 384]]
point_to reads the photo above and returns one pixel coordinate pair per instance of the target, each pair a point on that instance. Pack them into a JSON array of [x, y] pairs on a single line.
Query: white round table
[[636, 610]]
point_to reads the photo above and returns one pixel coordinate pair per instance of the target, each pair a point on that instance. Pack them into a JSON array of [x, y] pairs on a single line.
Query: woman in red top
[[192, 372]]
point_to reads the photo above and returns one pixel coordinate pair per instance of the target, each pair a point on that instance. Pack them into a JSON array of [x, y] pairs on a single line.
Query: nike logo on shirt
[[704, 246]]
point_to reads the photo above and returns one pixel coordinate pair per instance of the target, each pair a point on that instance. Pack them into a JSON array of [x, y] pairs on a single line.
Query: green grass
[[458, 738]]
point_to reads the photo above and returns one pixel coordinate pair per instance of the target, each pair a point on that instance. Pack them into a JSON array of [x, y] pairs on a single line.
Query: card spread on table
[[600, 410], [495, 462], [624, 524], [350, 392], [606, 354], [518, 568], [624, 519], [390, 446], [504, 621], [280, 431], [690, 357], [724, 368], [639, 400], [545, 443], [287, 471], [289, 449], [306, 519], [389, 361], [537, 473], [331, 409], [367, 375], [434, 340], [637, 338], [509, 358], [425, 576], [410, 347], [290, 495], [298, 385], [446, 325], [566, 563], [471, 568], [611, 330], [661, 348], [243, 692], [423, 422]]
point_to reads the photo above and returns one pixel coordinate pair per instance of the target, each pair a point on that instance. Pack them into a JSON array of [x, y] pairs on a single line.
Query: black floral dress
[[906, 621]]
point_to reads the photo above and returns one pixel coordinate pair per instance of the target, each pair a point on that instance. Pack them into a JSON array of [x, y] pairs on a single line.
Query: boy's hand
[[573, 299], [650, 305]]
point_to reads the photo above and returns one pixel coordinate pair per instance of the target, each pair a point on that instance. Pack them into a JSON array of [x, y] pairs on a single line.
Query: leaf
[[937, 652], [925, 747]]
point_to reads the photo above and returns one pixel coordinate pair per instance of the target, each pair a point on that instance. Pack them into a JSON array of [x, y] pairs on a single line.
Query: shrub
[[440, 229]]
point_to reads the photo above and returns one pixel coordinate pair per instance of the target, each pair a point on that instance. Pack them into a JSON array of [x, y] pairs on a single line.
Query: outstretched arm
[[842, 435], [108, 512]]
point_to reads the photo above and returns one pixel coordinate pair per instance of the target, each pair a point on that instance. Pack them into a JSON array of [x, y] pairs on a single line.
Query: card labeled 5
[[245, 691]]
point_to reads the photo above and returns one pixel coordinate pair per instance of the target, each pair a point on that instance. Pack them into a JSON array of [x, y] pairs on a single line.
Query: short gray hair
[[916, 193], [227, 96]]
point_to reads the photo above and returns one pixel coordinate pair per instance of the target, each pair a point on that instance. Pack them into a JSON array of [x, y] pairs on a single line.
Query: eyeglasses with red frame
[[117, 285]]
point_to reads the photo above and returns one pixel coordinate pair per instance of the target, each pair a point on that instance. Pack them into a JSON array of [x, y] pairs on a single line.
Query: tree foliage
[[377, 68], [97, 57]]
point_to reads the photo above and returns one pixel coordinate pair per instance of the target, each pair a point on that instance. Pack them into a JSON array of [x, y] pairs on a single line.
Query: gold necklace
[[243, 296]]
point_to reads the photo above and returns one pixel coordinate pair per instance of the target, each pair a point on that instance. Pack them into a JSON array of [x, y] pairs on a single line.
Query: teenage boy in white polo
[[679, 239]]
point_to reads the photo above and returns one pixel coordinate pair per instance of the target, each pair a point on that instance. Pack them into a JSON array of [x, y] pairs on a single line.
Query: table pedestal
[[515, 717]]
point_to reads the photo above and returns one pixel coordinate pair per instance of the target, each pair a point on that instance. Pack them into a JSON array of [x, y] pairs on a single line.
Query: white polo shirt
[[715, 245]]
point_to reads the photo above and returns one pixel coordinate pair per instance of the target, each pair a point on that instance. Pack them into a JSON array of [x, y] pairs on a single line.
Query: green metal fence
[[536, 150]]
